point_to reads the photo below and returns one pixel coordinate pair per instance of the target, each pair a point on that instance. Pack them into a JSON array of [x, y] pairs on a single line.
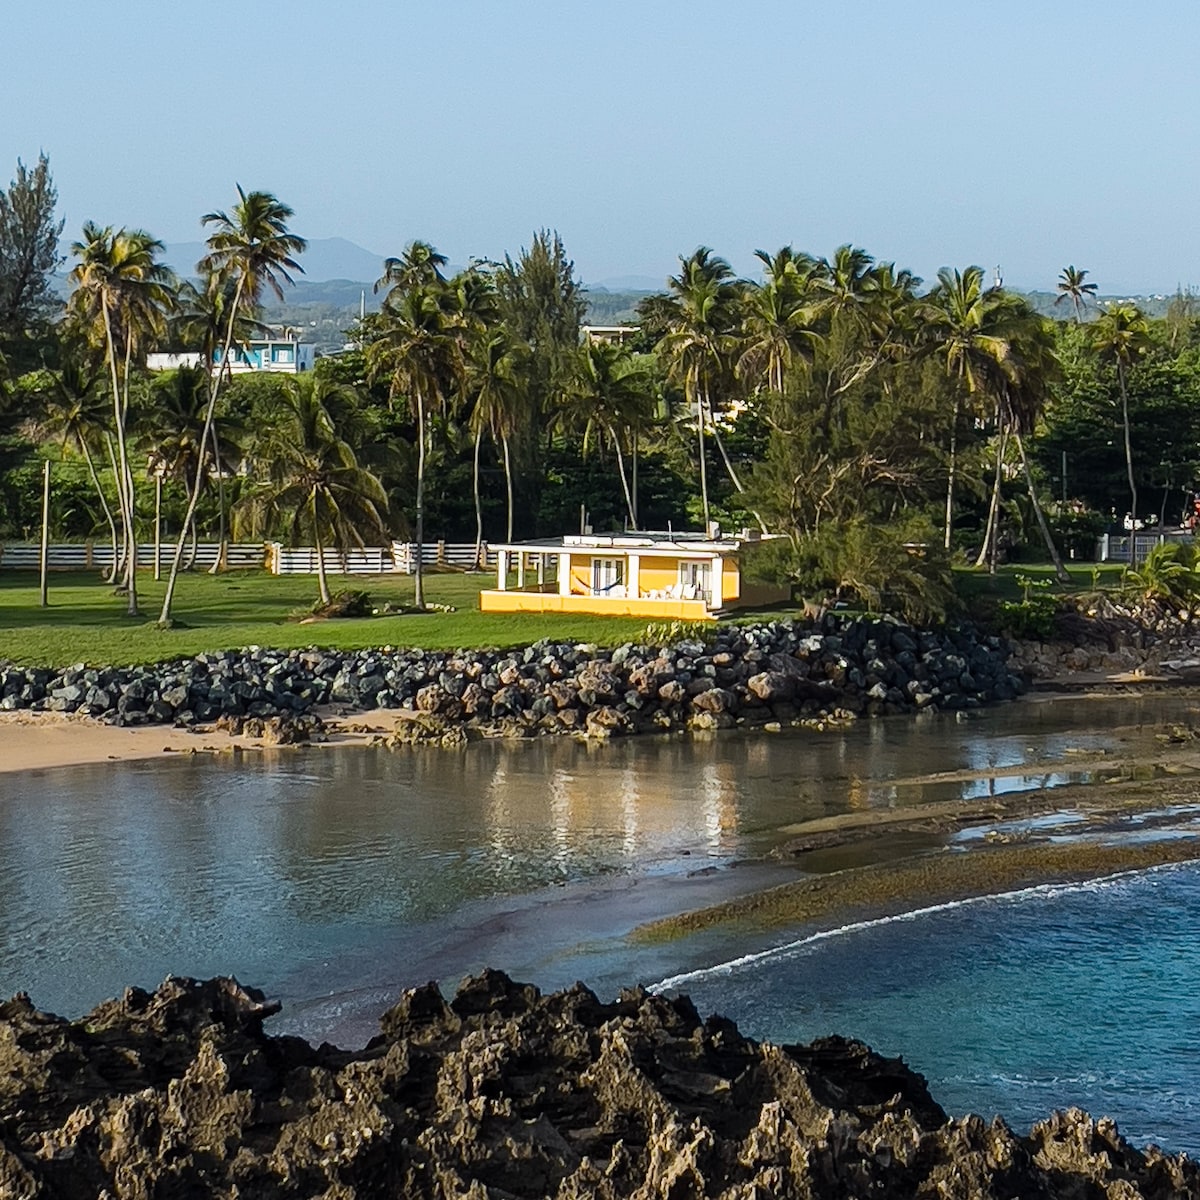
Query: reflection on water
[[122, 873]]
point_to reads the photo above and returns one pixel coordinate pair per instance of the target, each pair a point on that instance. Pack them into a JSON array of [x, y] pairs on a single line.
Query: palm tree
[[310, 478], [698, 337], [417, 348], [73, 412], [777, 324], [969, 328], [496, 382], [122, 293], [1071, 287], [1121, 335], [611, 394], [249, 249], [419, 266]]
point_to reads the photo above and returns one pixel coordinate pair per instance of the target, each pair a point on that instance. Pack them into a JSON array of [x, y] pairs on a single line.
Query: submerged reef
[[499, 1093]]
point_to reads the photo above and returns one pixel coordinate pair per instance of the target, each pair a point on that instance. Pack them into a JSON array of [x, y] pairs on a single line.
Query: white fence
[[1117, 549], [98, 556], [446, 554], [302, 560]]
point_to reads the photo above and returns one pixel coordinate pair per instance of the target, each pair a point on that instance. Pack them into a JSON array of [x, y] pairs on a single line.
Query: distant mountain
[[325, 259], [629, 283]]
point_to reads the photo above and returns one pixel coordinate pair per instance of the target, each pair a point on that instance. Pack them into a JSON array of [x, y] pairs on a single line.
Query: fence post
[[441, 552]]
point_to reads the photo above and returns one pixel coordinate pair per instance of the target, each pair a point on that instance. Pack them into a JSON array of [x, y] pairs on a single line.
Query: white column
[[502, 570], [717, 580], [564, 574], [541, 571], [521, 570], [633, 583]]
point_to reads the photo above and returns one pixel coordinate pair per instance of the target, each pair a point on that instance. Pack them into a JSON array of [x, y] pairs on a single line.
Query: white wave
[[795, 948]]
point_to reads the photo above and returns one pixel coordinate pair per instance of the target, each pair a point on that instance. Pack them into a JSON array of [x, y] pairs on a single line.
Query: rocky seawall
[[504, 1093], [780, 673]]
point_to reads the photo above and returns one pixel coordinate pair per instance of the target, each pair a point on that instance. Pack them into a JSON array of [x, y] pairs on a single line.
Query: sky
[[1026, 134]]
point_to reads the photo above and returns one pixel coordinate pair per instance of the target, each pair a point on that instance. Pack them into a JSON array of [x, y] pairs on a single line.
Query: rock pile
[[504, 1093], [780, 673]]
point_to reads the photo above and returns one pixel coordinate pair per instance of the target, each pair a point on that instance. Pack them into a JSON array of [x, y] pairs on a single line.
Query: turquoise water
[[1084, 994]]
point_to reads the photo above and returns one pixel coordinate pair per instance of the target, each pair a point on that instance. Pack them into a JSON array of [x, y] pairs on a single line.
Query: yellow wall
[[545, 602], [731, 580]]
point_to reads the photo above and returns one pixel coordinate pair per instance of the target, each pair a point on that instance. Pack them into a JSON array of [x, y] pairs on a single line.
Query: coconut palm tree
[[121, 295], [612, 395], [496, 384], [419, 266], [1071, 286], [1121, 335], [418, 350], [308, 478], [698, 340], [250, 249], [969, 327], [778, 321]]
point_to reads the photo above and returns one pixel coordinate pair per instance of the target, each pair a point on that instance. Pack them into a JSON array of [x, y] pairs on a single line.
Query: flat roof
[[648, 541]]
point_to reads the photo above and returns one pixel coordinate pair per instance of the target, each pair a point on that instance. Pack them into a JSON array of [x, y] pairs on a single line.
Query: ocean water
[[1051, 996]]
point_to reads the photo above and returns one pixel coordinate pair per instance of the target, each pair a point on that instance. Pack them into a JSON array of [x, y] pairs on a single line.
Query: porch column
[[564, 574], [541, 571], [501, 570], [633, 584], [521, 571], [717, 578]]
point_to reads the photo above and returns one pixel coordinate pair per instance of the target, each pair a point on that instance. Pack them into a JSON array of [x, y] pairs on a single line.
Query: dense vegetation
[[883, 427]]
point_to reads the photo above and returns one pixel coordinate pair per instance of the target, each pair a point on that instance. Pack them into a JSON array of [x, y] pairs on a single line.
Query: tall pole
[[1064, 480], [158, 524], [45, 555]]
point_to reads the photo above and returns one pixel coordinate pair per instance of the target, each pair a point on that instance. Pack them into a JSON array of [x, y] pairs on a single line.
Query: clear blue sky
[[1028, 133]]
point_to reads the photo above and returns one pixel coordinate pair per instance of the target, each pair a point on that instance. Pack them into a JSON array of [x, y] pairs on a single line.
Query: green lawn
[[1005, 584], [86, 622]]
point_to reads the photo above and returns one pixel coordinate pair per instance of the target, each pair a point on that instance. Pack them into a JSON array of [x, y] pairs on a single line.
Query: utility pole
[[44, 561]]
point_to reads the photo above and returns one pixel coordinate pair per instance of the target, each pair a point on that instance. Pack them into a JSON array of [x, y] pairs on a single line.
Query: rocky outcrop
[[504, 1093], [772, 674]]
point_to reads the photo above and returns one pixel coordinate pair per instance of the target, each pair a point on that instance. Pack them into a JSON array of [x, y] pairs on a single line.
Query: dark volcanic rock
[[504, 1093]]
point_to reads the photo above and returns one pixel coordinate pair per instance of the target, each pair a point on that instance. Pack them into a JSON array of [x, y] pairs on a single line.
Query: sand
[[46, 741]]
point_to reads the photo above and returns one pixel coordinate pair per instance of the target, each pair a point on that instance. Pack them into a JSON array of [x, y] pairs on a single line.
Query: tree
[[612, 396], [1071, 287], [307, 478], [28, 248], [1121, 335], [969, 328], [698, 337], [122, 294], [777, 324], [250, 249], [416, 348], [496, 382]]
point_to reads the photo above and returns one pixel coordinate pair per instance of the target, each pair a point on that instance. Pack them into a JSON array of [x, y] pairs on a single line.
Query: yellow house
[[668, 576]]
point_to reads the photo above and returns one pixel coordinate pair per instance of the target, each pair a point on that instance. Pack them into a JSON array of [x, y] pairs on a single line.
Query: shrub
[[1033, 616], [1169, 574]]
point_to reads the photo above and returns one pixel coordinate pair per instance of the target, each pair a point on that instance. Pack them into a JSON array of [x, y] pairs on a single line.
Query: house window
[[608, 576], [282, 354], [695, 579]]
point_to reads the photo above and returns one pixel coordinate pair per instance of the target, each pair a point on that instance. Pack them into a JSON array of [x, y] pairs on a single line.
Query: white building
[[286, 355]]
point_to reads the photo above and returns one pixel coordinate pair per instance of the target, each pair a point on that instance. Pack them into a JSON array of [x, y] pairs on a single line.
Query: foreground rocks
[[503, 1093], [767, 675]]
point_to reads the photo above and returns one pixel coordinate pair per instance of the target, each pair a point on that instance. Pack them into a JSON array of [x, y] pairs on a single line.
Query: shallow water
[[1086, 994], [332, 878]]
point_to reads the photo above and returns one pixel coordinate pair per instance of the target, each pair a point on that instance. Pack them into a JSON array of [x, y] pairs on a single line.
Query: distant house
[[658, 575], [285, 355], [616, 334]]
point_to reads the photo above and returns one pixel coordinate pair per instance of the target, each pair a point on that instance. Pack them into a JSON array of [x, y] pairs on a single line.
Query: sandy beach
[[45, 741]]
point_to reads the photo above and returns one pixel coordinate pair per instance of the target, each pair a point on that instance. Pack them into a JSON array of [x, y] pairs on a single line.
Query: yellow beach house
[[668, 576]]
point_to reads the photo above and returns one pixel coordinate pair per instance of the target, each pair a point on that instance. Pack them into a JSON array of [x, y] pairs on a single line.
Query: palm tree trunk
[[131, 563], [118, 562], [989, 533], [193, 543], [478, 502], [634, 476], [703, 467], [222, 526], [164, 617], [1133, 500], [419, 581], [508, 483], [952, 472], [1060, 572], [322, 577], [112, 525], [123, 462], [616, 441]]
